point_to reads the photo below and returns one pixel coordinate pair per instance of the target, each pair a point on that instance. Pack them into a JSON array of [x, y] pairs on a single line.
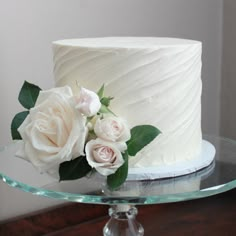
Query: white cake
[[153, 81]]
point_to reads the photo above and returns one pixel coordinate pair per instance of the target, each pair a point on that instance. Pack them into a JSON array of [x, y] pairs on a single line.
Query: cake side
[[154, 83]]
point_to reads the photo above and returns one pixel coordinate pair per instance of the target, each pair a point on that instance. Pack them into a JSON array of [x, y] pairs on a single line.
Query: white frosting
[[154, 81]]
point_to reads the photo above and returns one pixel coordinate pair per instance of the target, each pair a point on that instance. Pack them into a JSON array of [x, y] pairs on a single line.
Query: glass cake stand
[[219, 177]]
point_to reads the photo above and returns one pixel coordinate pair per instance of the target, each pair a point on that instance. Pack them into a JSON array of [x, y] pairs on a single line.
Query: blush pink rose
[[54, 131], [112, 128], [88, 102], [104, 156]]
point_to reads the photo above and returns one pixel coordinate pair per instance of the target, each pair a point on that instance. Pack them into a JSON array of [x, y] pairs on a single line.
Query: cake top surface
[[125, 42]]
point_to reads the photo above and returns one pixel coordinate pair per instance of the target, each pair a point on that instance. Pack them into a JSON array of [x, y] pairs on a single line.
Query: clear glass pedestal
[[123, 222]]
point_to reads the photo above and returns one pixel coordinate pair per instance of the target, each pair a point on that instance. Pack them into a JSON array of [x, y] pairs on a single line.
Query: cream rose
[[54, 131], [104, 156], [112, 128], [88, 102]]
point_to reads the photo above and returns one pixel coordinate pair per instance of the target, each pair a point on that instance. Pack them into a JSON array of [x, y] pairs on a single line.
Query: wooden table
[[214, 215]]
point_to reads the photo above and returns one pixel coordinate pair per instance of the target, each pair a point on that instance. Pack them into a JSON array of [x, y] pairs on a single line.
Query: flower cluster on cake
[[76, 134]]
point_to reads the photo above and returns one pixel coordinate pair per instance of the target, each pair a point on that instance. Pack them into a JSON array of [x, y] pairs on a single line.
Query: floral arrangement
[[76, 134]]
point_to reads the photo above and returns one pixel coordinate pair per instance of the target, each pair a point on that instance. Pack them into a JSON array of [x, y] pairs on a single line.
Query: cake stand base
[[123, 222]]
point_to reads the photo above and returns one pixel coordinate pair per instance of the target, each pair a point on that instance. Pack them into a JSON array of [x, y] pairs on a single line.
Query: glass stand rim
[[219, 177]]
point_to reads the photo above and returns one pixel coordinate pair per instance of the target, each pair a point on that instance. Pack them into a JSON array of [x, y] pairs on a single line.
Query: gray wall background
[[228, 80], [28, 27]]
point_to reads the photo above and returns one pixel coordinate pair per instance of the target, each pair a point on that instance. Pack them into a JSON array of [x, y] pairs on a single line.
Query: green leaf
[[16, 123], [105, 109], [118, 178], [28, 95], [106, 101], [101, 92], [140, 137], [74, 169]]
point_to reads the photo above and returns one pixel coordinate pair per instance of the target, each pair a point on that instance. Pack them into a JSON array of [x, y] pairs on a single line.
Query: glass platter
[[219, 177]]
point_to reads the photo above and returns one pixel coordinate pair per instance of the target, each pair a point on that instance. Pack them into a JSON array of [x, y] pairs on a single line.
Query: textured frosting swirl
[[154, 81]]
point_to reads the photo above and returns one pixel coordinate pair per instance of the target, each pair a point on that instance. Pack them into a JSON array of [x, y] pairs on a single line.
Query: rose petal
[[104, 156], [54, 131], [112, 128], [88, 102]]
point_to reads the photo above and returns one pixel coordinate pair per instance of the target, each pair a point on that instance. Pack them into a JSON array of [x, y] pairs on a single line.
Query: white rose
[[112, 128], [104, 156], [88, 102], [54, 131]]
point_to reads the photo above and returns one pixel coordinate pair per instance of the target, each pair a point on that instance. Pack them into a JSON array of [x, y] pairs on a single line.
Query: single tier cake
[[154, 81]]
